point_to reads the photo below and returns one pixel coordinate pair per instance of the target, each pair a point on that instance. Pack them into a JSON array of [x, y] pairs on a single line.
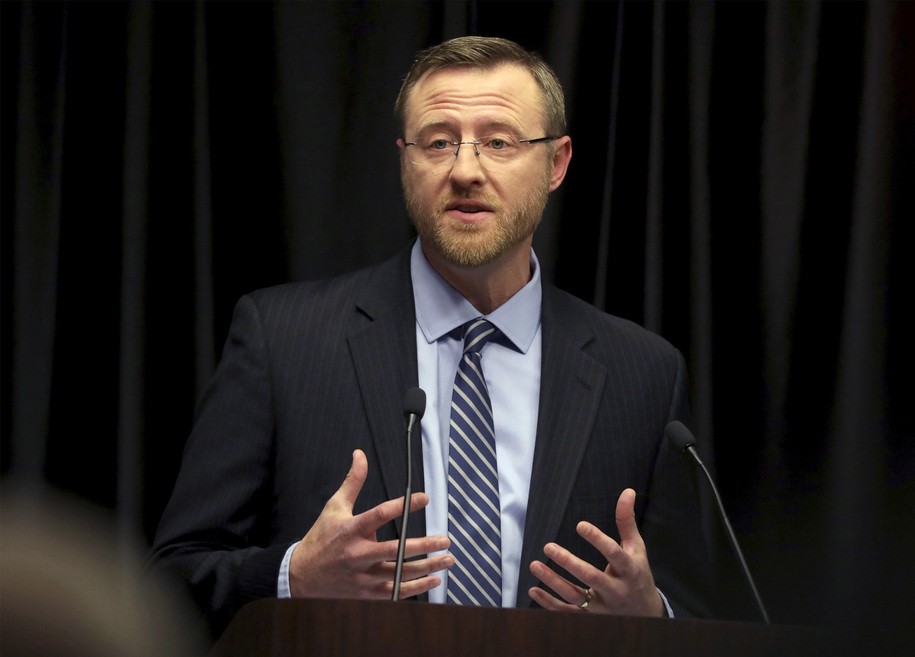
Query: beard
[[473, 245]]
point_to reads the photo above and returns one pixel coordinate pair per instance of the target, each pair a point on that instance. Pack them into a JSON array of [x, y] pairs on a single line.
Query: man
[[313, 377]]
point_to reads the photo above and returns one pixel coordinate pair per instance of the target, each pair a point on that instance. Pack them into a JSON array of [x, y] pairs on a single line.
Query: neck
[[487, 286]]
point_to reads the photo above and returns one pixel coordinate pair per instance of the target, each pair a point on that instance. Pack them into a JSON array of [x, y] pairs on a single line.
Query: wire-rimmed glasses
[[499, 150]]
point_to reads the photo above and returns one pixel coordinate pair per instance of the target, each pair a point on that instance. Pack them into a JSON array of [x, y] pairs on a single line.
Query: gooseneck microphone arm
[[414, 405], [682, 438]]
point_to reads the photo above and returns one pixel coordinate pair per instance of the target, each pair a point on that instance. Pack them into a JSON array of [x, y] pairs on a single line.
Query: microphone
[[414, 405], [682, 438]]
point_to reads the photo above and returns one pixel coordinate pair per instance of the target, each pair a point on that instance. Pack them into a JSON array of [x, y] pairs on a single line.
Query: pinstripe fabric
[[312, 371], [608, 390], [474, 520]]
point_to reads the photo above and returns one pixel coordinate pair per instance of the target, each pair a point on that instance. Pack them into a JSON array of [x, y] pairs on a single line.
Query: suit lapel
[[571, 384], [383, 349]]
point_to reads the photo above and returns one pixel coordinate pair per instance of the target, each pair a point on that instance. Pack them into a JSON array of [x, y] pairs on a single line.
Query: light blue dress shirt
[[512, 375]]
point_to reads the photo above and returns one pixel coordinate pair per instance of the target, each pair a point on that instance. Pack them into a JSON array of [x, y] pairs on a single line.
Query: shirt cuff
[[282, 581], [667, 610]]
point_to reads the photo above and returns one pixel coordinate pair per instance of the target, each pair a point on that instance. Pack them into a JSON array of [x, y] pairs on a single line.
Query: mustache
[[483, 200]]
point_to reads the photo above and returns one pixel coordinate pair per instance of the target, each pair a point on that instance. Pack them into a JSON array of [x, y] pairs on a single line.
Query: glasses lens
[[495, 149]]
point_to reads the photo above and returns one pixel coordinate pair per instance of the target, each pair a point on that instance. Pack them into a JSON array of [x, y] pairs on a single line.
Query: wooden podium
[[352, 628]]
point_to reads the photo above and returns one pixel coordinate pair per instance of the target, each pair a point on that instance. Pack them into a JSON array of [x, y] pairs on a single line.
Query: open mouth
[[468, 210], [468, 207]]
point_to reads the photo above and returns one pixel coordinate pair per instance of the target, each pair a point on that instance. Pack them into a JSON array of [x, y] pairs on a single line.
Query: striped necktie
[[474, 524]]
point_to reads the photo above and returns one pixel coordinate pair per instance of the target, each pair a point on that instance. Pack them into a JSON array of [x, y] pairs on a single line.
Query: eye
[[440, 144], [499, 144]]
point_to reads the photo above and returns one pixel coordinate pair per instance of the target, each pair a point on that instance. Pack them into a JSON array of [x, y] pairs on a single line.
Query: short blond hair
[[487, 53]]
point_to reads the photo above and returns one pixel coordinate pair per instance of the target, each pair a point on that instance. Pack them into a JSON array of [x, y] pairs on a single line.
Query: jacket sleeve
[[672, 523], [213, 536]]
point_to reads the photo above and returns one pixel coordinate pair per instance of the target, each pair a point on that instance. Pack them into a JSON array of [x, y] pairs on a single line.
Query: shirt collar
[[440, 308]]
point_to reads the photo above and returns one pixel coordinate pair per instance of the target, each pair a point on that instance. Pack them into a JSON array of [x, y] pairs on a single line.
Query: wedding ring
[[584, 605]]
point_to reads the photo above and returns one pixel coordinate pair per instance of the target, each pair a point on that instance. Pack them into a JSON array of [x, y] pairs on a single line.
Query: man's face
[[472, 210]]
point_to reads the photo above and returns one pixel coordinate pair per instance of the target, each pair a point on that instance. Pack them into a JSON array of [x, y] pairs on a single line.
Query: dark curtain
[[742, 183]]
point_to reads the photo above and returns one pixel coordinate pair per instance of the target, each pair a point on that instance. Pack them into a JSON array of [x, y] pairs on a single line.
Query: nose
[[476, 151], [467, 170]]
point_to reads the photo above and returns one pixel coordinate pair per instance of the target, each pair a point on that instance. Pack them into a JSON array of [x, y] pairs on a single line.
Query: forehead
[[470, 96]]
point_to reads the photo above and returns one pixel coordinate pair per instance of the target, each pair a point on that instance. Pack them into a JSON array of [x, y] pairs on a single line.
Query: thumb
[[625, 518], [351, 487]]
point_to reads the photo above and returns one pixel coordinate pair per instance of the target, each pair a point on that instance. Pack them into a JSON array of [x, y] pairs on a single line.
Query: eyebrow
[[451, 126]]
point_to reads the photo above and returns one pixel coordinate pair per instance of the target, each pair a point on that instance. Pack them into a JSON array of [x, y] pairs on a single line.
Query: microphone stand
[[414, 407]]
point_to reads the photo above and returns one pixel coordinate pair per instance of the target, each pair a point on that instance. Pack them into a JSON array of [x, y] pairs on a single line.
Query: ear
[[561, 158], [400, 144]]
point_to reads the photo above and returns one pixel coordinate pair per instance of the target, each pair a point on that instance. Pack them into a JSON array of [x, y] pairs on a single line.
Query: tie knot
[[477, 333]]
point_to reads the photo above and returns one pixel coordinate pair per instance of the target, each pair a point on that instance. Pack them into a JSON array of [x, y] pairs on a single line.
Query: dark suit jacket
[[311, 371]]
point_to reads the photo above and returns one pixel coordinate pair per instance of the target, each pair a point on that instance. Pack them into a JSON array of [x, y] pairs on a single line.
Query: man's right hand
[[340, 557]]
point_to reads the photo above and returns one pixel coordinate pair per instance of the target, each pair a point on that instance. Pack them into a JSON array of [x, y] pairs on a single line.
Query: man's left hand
[[625, 586]]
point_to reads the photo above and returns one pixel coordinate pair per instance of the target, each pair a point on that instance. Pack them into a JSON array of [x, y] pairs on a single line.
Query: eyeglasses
[[498, 150]]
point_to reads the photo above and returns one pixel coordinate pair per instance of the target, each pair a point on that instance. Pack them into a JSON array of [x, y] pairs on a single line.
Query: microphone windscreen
[[679, 435], [414, 402]]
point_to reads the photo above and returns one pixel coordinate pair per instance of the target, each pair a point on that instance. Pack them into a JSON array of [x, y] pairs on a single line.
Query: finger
[[367, 522], [414, 587], [581, 569], [414, 547], [548, 601], [423, 567], [351, 487], [417, 576], [422, 545], [563, 587], [605, 545]]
